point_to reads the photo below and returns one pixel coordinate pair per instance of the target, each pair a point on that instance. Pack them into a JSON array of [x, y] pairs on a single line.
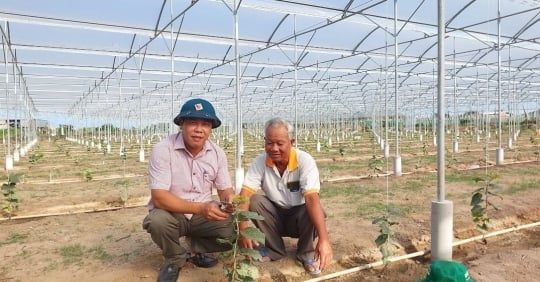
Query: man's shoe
[[169, 273], [202, 260]]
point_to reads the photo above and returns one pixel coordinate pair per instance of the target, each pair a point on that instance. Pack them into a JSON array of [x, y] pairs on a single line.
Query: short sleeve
[[255, 174]]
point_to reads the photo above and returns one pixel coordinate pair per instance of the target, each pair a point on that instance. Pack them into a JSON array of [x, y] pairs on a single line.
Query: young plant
[[480, 201], [35, 157], [125, 190], [123, 156], [240, 267], [419, 164], [535, 143], [11, 198], [326, 147], [88, 174], [385, 239], [375, 165]]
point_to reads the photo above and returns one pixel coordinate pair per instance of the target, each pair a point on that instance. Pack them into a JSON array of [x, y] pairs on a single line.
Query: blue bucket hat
[[447, 271], [198, 108]]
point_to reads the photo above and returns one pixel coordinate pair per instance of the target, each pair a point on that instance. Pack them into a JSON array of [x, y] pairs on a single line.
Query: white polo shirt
[[300, 178]]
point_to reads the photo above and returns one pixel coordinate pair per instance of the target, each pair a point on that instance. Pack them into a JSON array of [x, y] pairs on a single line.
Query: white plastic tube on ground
[[420, 253]]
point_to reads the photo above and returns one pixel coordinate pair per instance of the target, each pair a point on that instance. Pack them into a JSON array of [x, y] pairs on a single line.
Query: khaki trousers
[[166, 228]]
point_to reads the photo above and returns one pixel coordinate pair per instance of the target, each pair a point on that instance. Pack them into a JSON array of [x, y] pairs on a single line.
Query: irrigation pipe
[[71, 212], [420, 253]]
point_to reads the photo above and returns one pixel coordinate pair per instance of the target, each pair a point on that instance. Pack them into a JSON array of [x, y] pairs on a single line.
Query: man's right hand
[[212, 212]]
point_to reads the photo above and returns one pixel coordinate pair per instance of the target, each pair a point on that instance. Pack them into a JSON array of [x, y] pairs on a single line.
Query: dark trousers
[[166, 228], [280, 222]]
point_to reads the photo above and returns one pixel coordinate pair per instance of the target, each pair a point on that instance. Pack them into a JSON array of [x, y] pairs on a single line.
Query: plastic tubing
[[420, 253], [71, 212]]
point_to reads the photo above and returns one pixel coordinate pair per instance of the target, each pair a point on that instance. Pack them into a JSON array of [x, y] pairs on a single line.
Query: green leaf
[[247, 272], [393, 210], [252, 253], [226, 254], [385, 229], [478, 219], [253, 234], [476, 199], [14, 178], [381, 239], [247, 215], [477, 211], [379, 219]]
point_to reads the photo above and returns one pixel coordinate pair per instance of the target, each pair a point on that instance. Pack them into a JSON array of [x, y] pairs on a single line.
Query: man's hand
[[212, 212], [323, 253], [248, 243], [227, 207]]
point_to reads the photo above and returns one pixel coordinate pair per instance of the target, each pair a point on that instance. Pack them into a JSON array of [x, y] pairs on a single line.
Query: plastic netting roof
[[95, 62]]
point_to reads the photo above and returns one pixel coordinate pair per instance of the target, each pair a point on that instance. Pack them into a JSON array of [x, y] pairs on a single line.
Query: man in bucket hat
[[183, 168], [447, 271]]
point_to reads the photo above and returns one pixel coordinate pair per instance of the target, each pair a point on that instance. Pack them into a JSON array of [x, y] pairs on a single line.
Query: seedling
[[385, 239], [375, 166], [326, 147], [88, 174], [123, 156], [240, 268], [125, 190], [535, 143], [11, 198], [35, 157], [419, 164], [480, 202]]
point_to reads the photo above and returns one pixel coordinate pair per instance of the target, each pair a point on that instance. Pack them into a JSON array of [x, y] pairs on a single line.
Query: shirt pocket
[[293, 186]]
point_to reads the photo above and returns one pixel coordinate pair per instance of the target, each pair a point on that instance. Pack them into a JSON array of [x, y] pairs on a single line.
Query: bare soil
[[69, 228]]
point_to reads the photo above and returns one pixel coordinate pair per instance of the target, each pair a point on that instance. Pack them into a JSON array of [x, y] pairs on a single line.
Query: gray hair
[[277, 122]]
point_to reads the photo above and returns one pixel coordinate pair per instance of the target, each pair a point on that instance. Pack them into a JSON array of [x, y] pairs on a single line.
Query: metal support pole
[[441, 210], [239, 176], [500, 150], [171, 125], [9, 157], [397, 157], [386, 143], [295, 90]]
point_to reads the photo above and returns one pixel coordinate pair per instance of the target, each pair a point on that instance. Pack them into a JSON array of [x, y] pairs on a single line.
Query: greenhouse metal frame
[[302, 60]]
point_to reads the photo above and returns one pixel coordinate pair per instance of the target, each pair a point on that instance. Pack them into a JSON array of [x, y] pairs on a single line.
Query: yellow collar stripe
[[293, 161]]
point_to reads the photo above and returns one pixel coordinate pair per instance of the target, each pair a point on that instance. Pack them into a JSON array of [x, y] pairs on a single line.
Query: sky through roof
[[96, 62]]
